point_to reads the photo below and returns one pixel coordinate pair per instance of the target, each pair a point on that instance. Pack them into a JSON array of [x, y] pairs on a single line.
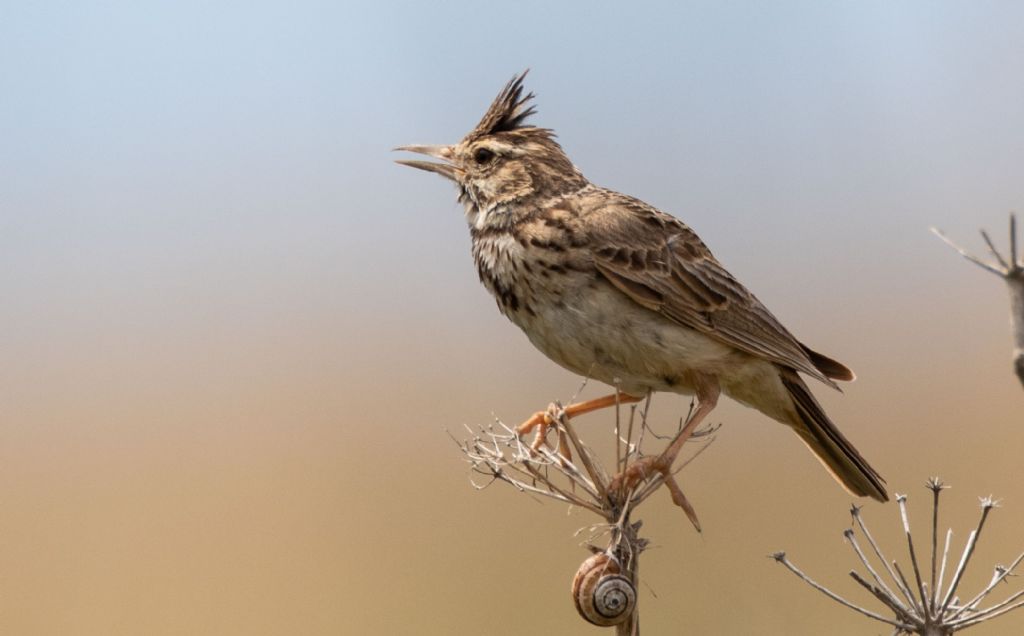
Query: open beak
[[445, 153]]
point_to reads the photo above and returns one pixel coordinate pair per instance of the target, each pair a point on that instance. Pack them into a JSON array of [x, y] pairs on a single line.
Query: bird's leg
[[543, 420], [708, 391], [707, 398], [679, 499]]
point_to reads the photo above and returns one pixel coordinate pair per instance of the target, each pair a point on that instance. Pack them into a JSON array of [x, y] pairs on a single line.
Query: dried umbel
[[922, 604], [604, 589], [603, 595]]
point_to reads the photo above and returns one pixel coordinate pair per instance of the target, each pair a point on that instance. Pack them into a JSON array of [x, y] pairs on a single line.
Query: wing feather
[[662, 265]]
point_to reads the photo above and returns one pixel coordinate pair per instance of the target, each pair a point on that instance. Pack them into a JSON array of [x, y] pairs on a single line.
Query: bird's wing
[[663, 265]]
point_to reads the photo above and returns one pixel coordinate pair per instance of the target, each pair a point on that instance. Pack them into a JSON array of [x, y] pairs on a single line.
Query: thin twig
[[906, 589], [994, 251], [630, 448], [999, 577], [618, 436], [936, 486], [902, 501], [986, 507], [1014, 263], [849, 534], [572, 473], [557, 493], [887, 599], [930, 617], [992, 612], [977, 261], [781, 558], [942, 571], [600, 483], [855, 512]]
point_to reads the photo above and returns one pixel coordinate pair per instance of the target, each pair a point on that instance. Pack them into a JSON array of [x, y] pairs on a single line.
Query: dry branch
[[1011, 270], [923, 612], [572, 473]]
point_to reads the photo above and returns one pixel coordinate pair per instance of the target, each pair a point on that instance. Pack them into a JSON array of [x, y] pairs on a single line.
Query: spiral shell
[[603, 596]]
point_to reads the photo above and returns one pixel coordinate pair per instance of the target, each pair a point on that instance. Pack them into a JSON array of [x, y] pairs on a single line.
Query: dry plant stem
[[897, 606], [573, 474], [906, 587], [657, 470], [925, 614], [855, 511], [942, 570], [1016, 288], [633, 448], [781, 558], [618, 434], [628, 546], [1012, 272], [999, 576], [901, 612], [972, 541], [997, 610], [648, 467], [542, 420], [599, 478], [902, 501], [936, 487]]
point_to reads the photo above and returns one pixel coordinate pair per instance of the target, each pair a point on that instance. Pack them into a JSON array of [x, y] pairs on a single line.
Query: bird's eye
[[482, 155]]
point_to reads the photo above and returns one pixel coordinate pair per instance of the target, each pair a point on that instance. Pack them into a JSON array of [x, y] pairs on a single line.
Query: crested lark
[[614, 289]]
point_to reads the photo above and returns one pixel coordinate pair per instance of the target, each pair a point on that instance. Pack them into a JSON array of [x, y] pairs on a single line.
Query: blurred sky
[[232, 331]]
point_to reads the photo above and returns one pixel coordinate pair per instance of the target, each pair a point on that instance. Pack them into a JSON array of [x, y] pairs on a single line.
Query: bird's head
[[503, 166]]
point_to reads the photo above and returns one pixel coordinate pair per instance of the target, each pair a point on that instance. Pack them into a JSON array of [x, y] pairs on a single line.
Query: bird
[[614, 289]]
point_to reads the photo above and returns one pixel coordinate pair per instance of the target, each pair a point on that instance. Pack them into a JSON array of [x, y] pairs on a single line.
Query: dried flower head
[[569, 471], [920, 607]]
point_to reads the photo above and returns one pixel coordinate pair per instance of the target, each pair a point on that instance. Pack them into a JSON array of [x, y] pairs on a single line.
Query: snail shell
[[603, 596]]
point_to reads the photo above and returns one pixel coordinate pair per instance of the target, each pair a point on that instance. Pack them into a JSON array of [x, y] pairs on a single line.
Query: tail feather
[[831, 368], [834, 451]]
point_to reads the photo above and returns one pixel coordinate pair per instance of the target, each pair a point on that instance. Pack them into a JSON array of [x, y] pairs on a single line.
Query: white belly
[[598, 332]]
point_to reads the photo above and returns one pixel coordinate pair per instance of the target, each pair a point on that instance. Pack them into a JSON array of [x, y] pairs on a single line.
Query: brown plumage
[[614, 289]]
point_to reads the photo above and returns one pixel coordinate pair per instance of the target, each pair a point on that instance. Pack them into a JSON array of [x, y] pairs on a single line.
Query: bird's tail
[[834, 451]]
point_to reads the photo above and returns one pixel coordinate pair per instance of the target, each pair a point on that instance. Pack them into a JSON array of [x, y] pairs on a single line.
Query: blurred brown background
[[233, 333]]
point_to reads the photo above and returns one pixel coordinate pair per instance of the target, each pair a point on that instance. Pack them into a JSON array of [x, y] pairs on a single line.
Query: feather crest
[[508, 111]]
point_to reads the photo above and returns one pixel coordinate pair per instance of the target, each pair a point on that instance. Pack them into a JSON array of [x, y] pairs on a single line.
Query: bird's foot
[[643, 469], [540, 421], [544, 421], [626, 482], [637, 473], [679, 499]]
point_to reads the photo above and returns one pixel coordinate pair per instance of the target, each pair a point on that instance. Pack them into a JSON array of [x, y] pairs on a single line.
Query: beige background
[[233, 333]]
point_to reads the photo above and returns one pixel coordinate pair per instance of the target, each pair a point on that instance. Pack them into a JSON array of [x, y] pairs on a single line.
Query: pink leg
[[542, 421]]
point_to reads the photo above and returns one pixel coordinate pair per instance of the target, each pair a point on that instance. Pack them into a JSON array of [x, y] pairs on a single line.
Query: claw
[[544, 420]]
